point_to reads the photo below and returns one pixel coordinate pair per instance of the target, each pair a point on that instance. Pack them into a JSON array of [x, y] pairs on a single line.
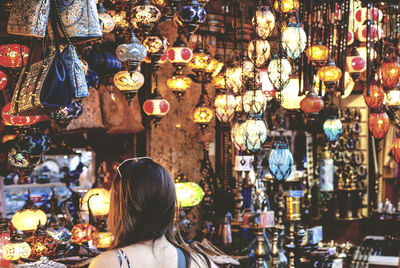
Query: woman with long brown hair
[[141, 219]]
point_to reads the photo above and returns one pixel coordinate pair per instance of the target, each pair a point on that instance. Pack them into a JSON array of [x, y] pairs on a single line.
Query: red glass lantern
[[156, 107], [390, 73], [3, 80], [312, 103], [396, 149], [376, 96], [82, 233], [11, 55], [17, 120], [378, 124]]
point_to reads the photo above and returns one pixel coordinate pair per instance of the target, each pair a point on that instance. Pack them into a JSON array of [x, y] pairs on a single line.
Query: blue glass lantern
[[333, 129], [33, 143], [280, 161], [191, 16]]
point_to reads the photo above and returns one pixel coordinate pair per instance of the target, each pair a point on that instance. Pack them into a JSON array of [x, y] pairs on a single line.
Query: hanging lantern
[[236, 73], [376, 96], [106, 21], [279, 70], [280, 161], [286, 6], [132, 52], [120, 18], [254, 134], [376, 33], [17, 248], [396, 149], [317, 53], [42, 244], [11, 55], [199, 61], [378, 123], [390, 73], [179, 54], [266, 84], [264, 22], [355, 64], [225, 105], [254, 103], [361, 15], [214, 67], [17, 120], [237, 136], [294, 40], [179, 84], [393, 98], [259, 57], [191, 16], [202, 114], [103, 240], [330, 74], [333, 128], [312, 103], [98, 199], [188, 194], [82, 233], [290, 95], [219, 81], [156, 107], [156, 45], [144, 16], [3, 80], [29, 219], [129, 83]]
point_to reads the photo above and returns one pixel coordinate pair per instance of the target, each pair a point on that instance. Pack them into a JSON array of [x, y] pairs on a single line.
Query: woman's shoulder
[[108, 258]]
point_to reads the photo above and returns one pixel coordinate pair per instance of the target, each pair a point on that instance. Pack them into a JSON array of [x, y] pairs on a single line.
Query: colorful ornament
[[280, 161]]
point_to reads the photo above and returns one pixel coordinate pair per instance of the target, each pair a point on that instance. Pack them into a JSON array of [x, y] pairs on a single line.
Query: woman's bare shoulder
[[105, 259], [198, 261]]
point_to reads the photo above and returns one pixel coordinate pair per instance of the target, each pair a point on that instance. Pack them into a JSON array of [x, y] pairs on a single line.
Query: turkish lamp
[[355, 63], [202, 114], [254, 134], [179, 84], [390, 73], [129, 83], [189, 17], [156, 44], [144, 15], [179, 54], [259, 52], [333, 128], [156, 107], [225, 105], [378, 123], [133, 52], [215, 67], [219, 81], [188, 194], [280, 161], [17, 248], [120, 18], [106, 21], [82, 233], [159, 3], [396, 149], [237, 73], [330, 74], [294, 40], [266, 84], [98, 200], [279, 71], [317, 53], [254, 103], [312, 104], [264, 21], [237, 136], [200, 61], [289, 96], [42, 244], [374, 96], [29, 218], [286, 6]]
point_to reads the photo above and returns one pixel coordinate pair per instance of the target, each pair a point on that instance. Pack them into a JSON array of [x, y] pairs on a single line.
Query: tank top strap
[[181, 258], [120, 252]]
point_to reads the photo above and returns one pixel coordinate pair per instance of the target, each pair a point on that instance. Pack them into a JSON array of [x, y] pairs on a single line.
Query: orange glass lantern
[[330, 73], [390, 73], [3, 80], [82, 233], [376, 96], [179, 84], [11, 55], [378, 124], [286, 6], [312, 103], [17, 120], [317, 53], [396, 149]]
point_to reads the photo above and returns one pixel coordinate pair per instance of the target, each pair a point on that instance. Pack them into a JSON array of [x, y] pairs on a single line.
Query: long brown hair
[[143, 203]]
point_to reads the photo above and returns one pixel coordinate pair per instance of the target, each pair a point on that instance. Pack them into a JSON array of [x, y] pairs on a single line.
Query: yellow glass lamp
[[330, 74], [286, 6], [214, 67], [202, 115], [265, 22], [119, 18], [17, 248], [259, 52], [127, 81], [318, 53], [199, 61], [290, 95], [103, 240], [237, 137], [254, 103], [29, 219], [188, 194], [179, 84], [98, 200], [219, 81], [225, 105]]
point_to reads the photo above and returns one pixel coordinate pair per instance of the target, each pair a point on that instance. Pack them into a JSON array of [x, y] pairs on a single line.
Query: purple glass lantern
[[191, 16]]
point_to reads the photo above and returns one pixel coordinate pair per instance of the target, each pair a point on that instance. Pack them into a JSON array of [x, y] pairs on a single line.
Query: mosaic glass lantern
[[317, 53], [12, 55], [254, 134], [3, 80], [375, 97], [29, 219], [378, 123], [266, 85], [202, 114], [280, 161], [188, 194], [312, 103], [279, 70], [225, 105], [144, 16], [219, 81], [191, 16], [82, 233], [179, 54], [119, 18], [98, 199], [254, 103], [17, 120], [237, 136], [264, 22], [179, 84], [103, 240], [286, 6], [376, 33], [200, 61], [236, 73], [156, 45], [133, 51], [355, 63], [396, 149], [156, 107], [129, 82], [333, 128], [294, 40], [63, 116], [61, 235], [17, 248], [289, 96], [214, 67], [259, 52], [24, 160], [390, 73], [106, 21], [42, 244], [330, 74]]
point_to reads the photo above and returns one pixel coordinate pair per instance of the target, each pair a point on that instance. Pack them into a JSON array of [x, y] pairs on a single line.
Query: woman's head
[[142, 202]]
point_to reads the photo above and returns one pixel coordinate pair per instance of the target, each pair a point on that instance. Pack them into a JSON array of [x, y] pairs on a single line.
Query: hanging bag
[[43, 86], [29, 18], [80, 18]]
